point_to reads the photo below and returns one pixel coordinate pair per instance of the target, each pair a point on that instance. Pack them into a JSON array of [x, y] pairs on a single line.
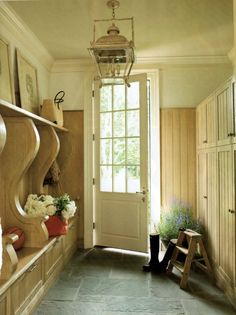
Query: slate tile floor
[[106, 282]]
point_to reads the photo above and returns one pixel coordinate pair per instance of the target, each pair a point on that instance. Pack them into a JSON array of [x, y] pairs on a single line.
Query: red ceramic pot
[[56, 226]]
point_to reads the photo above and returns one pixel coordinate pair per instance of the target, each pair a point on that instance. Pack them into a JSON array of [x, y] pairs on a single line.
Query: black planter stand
[[154, 265]]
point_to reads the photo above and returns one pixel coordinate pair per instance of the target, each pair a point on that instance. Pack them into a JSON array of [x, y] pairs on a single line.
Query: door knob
[[141, 192]]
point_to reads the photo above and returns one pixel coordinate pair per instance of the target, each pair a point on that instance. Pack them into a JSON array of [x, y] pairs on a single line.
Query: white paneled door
[[121, 164]]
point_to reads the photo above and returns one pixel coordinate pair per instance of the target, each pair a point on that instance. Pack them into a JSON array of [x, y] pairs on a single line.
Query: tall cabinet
[[216, 184]]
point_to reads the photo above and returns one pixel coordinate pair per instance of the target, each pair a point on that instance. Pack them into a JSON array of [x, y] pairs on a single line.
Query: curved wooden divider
[[2, 134], [19, 152], [48, 151]]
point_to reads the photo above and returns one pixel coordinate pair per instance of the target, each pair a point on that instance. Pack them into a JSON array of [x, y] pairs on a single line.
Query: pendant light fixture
[[113, 53]]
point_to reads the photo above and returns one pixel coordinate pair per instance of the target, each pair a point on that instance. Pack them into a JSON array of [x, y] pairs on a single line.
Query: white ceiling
[[163, 28]]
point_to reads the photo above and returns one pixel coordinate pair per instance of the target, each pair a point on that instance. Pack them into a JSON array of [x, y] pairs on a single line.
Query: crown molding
[[21, 31], [86, 64], [183, 60]]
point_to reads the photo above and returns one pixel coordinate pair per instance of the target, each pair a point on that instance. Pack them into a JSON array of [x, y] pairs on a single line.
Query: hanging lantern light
[[113, 53]]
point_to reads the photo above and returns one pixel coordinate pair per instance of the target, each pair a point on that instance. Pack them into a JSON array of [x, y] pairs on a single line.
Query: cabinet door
[[211, 121], [53, 258], [5, 304], [206, 123], [27, 290], [226, 218], [212, 213], [224, 105], [202, 187], [201, 125]]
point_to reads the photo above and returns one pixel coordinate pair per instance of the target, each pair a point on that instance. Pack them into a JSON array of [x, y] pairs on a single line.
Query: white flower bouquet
[[47, 205]]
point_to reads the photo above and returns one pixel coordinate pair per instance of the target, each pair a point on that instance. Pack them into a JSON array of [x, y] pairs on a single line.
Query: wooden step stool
[[193, 239]]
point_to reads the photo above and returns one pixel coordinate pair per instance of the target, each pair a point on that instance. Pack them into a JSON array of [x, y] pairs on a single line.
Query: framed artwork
[[6, 92], [28, 84]]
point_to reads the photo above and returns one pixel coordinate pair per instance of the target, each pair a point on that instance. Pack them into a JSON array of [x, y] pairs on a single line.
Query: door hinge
[[93, 181], [93, 136], [93, 225], [93, 93]]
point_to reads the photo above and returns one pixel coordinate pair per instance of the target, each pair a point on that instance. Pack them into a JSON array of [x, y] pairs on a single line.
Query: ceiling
[[163, 28]]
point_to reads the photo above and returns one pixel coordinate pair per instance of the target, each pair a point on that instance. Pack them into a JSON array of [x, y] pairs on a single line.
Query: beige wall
[[77, 86], [178, 157], [29, 46]]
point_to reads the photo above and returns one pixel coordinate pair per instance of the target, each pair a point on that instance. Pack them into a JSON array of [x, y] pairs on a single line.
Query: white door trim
[[88, 154]]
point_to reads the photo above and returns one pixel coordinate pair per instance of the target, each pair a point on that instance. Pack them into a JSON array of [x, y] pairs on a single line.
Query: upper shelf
[[10, 110]]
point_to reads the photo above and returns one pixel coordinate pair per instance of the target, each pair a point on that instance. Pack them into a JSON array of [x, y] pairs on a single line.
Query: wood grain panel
[[178, 156], [19, 152], [71, 163], [225, 201], [224, 108], [212, 208]]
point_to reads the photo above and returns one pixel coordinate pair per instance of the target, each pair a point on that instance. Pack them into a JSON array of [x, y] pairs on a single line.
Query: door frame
[[153, 75]]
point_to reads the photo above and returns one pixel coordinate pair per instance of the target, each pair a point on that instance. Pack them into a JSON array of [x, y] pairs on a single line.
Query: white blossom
[[69, 211], [46, 205]]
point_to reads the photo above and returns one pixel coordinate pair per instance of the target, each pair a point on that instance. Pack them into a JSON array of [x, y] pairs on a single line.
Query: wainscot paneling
[[178, 156]]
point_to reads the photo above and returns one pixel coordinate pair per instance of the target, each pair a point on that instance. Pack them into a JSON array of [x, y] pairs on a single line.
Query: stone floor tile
[[103, 282], [113, 287], [144, 305], [61, 293], [198, 306]]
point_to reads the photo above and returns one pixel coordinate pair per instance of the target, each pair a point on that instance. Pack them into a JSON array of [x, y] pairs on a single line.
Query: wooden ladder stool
[[192, 239]]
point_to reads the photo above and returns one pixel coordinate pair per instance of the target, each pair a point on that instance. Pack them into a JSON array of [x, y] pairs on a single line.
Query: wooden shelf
[[10, 110]]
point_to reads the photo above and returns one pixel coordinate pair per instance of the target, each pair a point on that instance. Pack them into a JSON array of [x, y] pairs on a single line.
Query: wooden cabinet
[[226, 214], [53, 258], [27, 289], [225, 114], [5, 303], [206, 197], [216, 190], [206, 123]]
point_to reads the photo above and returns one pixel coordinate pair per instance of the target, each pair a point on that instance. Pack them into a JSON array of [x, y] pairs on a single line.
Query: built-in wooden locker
[[216, 180], [226, 218], [224, 107], [206, 198], [206, 118]]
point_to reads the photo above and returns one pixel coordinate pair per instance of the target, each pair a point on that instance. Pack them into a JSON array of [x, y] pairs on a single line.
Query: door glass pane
[[119, 178], [119, 97], [133, 151], [133, 123], [133, 179], [119, 124], [106, 178], [106, 98], [106, 125], [119, 151], [133, 95], [106, 151]]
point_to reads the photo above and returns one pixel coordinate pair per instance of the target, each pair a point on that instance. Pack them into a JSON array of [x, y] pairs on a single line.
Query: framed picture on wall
[[28, 84], [6, 91]]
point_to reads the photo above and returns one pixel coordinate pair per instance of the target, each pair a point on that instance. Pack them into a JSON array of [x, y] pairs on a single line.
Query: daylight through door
[[121, 165]]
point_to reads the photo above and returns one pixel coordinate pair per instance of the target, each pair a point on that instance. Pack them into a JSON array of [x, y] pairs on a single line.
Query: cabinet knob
[[205, 141], [205, 197], [231, 134], [231, 211]]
